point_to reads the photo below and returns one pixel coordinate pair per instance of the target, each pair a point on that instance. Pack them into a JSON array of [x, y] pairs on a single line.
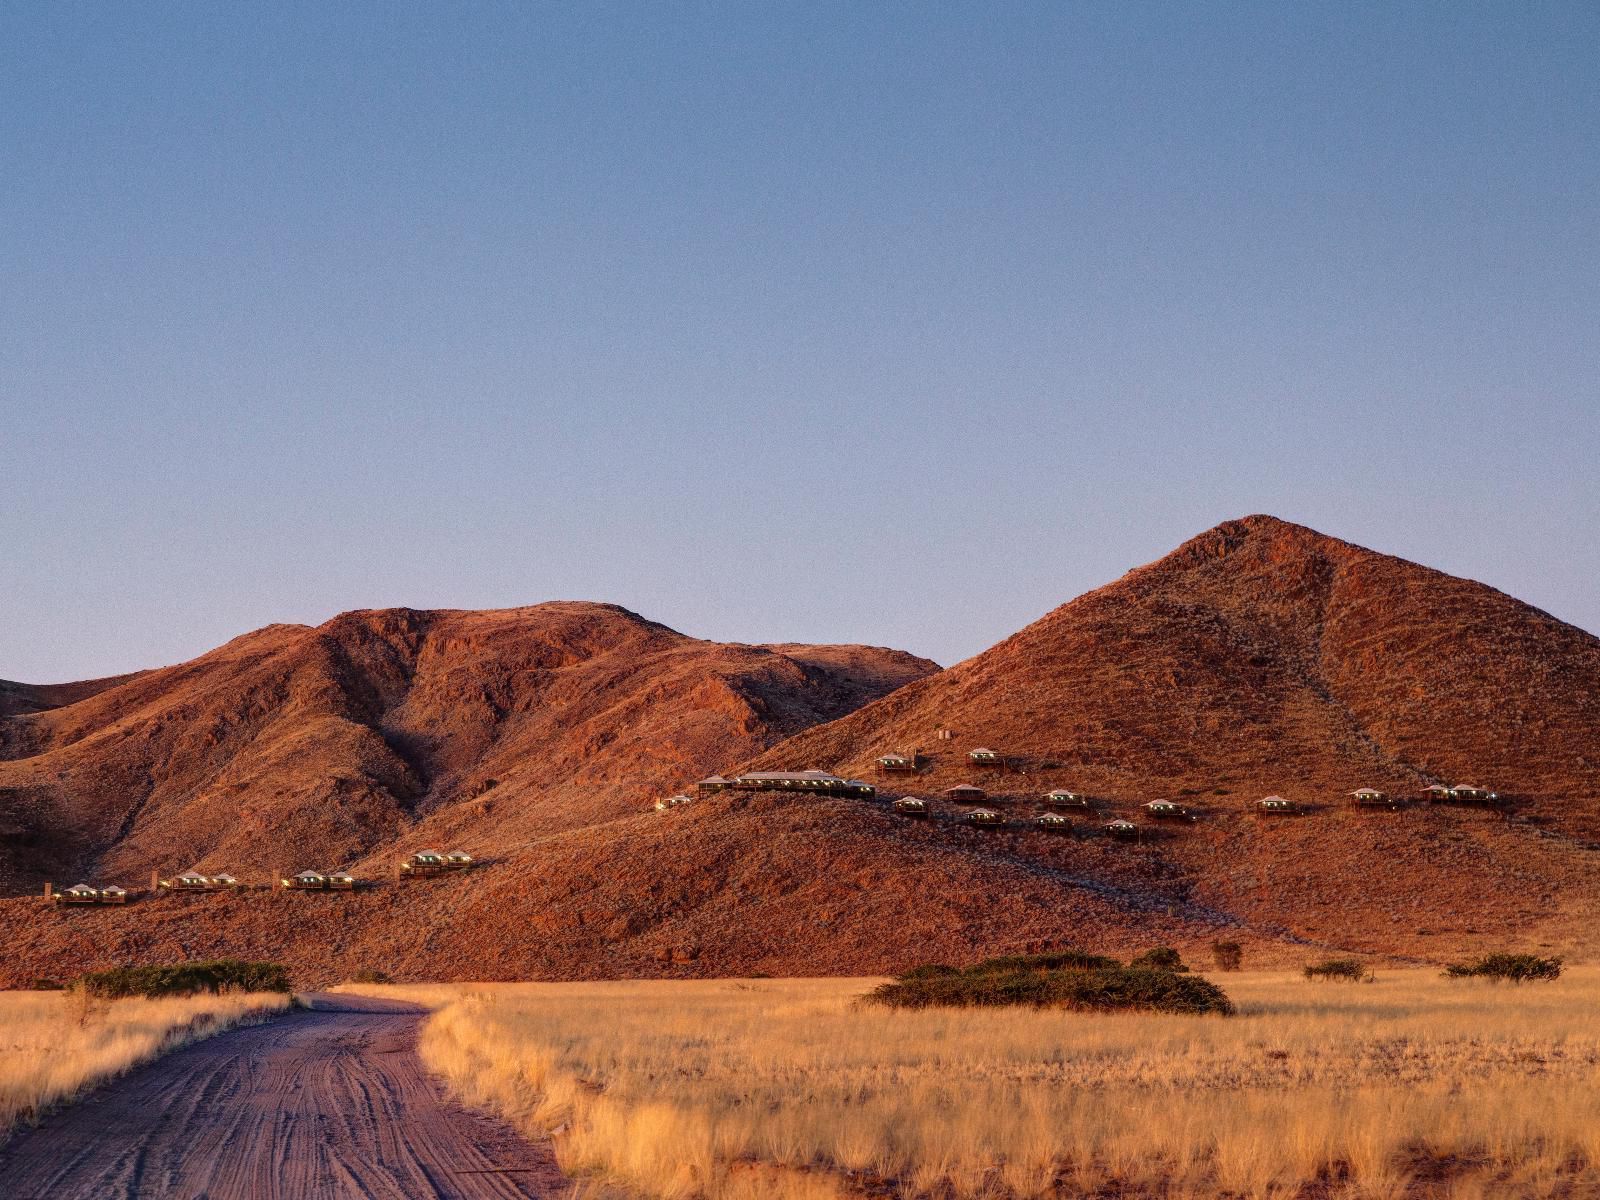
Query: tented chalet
[[984, 757], [433, 862], [194, 881], [897, 762], [424, 862], [1370, 798], [1167, 810], [813, 781], [1052, 823], [1062, 798], [342, 881], [673, 802], [713, 783], [83, 893], [305, 881], [1277, 806], [911, 806], [984, 818], [1461, 793], [966, 793], [1120, 828]]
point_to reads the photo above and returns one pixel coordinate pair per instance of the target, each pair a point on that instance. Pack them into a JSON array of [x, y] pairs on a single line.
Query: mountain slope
[[294, 746], [1259, 657], [1264, 653], [1262, 657]]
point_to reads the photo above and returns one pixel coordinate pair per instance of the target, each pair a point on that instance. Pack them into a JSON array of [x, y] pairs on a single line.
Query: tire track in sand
[[330, 1103]]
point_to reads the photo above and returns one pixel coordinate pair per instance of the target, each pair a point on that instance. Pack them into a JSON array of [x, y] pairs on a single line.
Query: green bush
[[1229, 956], [44, 985], [370, 976], [185, 979], [1517, 968], [1162, 958], [1339, 968], [1074, 980]]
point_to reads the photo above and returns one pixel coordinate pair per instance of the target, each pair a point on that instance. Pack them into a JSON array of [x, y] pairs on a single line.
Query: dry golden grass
[[56, 1045], [1413, 1086]]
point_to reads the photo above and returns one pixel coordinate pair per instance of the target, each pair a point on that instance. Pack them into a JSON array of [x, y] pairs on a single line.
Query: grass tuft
[[57, 1045]]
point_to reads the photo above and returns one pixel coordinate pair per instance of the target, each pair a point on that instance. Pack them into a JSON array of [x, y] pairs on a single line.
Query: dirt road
[[331, 1103]]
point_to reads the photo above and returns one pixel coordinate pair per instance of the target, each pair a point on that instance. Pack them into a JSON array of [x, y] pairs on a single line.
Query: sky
[[897, 323]]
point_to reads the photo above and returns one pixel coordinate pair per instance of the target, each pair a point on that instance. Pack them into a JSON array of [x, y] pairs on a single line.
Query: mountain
[[1265, 658], [1260, 657], [294, 746], [1265, 654]]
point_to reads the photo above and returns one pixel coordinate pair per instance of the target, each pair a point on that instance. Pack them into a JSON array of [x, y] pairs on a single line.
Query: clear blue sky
[[897, 323]]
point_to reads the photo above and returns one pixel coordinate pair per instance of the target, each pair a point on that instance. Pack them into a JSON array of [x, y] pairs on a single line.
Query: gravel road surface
[[330, 1103]]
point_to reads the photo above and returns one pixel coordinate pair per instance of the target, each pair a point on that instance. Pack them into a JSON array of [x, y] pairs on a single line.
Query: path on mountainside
[[329, 1103]]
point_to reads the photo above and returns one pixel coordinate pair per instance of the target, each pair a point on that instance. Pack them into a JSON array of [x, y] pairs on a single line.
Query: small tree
[[1229, 956], [1162, 958]]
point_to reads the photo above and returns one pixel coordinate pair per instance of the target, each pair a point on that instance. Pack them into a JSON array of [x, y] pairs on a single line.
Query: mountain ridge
[[1259, 656], [347, 731]]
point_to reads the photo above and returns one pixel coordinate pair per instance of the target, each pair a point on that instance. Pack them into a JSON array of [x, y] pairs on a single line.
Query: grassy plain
[[56, 1045], [1412, 1086]]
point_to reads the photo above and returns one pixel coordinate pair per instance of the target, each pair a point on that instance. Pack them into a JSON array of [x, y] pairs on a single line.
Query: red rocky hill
[[1265, 658], [294, 746], [1258, 658]]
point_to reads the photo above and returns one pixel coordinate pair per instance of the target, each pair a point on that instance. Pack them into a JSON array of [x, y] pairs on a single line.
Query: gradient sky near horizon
[[897, 323]]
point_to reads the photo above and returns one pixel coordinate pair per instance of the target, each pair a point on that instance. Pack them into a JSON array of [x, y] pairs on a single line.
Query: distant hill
[[294, 746], [1260, 657]]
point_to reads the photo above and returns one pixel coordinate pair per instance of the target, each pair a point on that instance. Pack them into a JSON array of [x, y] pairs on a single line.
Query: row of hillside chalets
[[413, 866], [812, 782], [816, 782]]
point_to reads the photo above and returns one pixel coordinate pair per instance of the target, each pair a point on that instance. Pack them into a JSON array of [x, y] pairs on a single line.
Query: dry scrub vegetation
[[1413, 1086], [56, 1045]]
